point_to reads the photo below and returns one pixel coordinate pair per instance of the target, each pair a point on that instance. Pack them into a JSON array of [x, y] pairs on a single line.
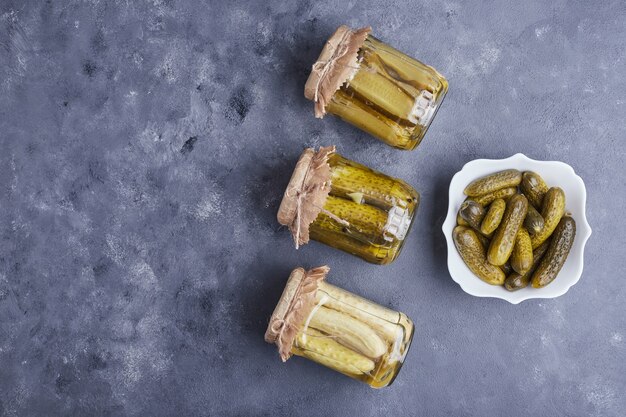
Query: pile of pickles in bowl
[[511, 228]]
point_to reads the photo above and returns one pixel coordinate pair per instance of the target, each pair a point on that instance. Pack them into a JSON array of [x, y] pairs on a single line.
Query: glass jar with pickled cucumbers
[[338, 329], [375, 87], [348, 206]]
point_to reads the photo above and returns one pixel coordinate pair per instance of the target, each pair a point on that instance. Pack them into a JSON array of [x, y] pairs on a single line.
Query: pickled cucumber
[[348, 331], [504, 193], [331, 233], [460, 220], [506, 268], [403, 68], [522, 256], [533, 222], [484, 240], [553, 210], [346, 297], [516, 281], [373, 62], [493, 182], [360, 115], [390, 331], [554, 259], [534, 188], [378, 189], [473, 254], [325, 350], [365, 221], [493, 217], [390, 96], [504, 237], [370, 213], [472, 213], [385, 94]]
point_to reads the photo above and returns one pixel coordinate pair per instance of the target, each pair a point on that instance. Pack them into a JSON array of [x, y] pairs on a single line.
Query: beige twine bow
[[324, 67], [300, 195], [283, 327], [299, 308]]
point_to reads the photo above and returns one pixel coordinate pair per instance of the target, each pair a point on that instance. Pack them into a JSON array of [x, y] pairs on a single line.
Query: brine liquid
[[391, 96], [354, 336], [376, 212]]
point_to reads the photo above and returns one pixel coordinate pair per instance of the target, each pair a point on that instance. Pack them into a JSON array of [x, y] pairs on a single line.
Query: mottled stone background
[[145, 146]]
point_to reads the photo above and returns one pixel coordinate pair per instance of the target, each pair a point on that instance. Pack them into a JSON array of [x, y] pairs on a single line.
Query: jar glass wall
[[338, 329], [391, 96], [355, 336], [367, 213]]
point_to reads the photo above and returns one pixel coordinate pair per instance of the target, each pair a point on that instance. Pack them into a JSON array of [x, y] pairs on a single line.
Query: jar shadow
[[301, 51], [438, 216], [269, 270], [267, 281], [263, 181]]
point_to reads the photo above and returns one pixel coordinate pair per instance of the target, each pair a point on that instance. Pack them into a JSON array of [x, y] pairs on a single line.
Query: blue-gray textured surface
[[145, 148]]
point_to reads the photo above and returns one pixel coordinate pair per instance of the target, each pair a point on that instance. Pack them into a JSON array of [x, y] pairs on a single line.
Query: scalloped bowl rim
[[576, 201]]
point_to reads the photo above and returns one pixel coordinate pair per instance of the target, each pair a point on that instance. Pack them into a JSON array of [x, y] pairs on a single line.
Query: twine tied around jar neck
[[323, 67], [300, 198], [295, 305], [306, 194], [337, 63]]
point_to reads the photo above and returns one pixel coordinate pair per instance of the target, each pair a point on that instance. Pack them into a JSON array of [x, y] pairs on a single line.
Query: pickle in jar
[[375, 87]]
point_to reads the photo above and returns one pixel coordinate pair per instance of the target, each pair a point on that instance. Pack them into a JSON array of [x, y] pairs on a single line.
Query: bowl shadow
[[438, 216]]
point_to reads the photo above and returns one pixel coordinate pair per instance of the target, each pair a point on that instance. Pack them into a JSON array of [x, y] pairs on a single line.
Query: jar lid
[[306, 193], [336, 64], [294, 306]]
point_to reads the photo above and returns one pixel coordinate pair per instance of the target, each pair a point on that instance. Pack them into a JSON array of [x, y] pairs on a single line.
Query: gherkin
[[360, 115], [383, 93], [390, 96], [379, 190], [367, 213]]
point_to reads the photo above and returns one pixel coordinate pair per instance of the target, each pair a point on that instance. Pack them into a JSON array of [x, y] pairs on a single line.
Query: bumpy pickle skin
[[515, 281], [473, 254], [493, 182], [504, 238], [558, 251], [492, 219], [473, 213], [534, 188], [364, 236], [366, 230], [553, 210], [362, 220], [378, 189], [504, 193], [522, 256], [533, 222]]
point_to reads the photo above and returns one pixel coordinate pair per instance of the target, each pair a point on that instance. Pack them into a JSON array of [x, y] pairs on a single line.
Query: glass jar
[[348, 206], [375, 87], [338, 329]]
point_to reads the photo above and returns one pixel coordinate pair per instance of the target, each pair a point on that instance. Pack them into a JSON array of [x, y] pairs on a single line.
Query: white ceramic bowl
[[555, 174]]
